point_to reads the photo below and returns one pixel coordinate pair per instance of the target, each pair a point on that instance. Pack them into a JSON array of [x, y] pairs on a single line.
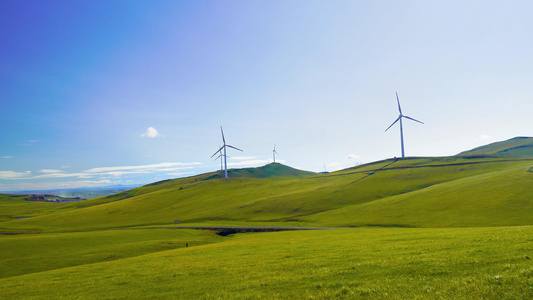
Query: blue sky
[[128, 92]]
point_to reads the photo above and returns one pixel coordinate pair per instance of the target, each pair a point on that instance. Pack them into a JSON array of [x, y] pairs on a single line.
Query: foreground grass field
[[25, 254], [378, 263]]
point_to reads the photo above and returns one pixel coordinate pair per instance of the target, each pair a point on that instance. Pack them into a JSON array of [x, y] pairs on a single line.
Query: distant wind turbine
[[220, 156], [274, 153], [224, 155], [401, 125]]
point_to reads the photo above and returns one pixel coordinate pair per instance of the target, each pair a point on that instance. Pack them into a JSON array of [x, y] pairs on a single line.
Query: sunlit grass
[[421, 192], [474, 263], [13, 207], [30, 253]]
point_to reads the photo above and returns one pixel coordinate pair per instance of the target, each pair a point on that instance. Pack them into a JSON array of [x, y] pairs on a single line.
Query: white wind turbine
[[401, 125], [220, 156], [274, 153], [224, 155]]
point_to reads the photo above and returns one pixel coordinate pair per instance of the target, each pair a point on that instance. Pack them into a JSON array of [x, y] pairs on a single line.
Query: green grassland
[[373, 263], [24, 254], [415, 192], [13, 207], [424, 227], [515, 147]]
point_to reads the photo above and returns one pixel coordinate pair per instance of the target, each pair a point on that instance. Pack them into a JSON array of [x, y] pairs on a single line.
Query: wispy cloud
[[30, 142], [7, 156], [60, 175], [349, 161], [162, 167], [353, 156], [151, 132], [179, 174], [247, 163], [242, 157], [100, 172], [50, 171], [14, 175]]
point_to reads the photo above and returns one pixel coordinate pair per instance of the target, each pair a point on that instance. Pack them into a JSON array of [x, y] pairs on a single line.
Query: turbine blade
[[217, 151], [393, 123], [223, 139], [399, 107], [413, 119], [234, 148]]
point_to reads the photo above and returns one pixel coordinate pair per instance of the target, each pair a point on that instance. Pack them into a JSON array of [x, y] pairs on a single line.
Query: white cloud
[[242, 157], [103, 171], [7, 156], [353, 156], [50, 171], [248, 163], [485, 137], [178, 174], [349, 161], [142, 168], [14, 175], [59, 175], [151, 132]]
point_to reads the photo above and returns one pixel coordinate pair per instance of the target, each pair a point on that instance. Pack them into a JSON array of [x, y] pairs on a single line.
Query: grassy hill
[[515, 147], [13, 207], [272, 170], [413, 192]]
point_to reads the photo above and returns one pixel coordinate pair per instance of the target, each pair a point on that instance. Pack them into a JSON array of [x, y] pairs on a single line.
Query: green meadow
[[374, 263], [417, 192], [427, 227]]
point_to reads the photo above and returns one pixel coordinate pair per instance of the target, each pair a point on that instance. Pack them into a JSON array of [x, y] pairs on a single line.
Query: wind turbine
[[224, 155], [220, 156], [274, 153], [401, 125]]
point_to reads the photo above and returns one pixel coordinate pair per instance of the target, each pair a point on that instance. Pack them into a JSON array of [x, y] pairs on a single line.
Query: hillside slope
[[500, 198], [391, 192], [515, 147]]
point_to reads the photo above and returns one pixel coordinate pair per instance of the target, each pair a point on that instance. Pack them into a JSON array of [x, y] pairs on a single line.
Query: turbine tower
[[221, 166], [274, 153], [401, 125], [224, 154]]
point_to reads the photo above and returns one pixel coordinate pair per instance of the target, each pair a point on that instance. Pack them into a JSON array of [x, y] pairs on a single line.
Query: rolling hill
[[77, 254], [515, 147], [459, 191]]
